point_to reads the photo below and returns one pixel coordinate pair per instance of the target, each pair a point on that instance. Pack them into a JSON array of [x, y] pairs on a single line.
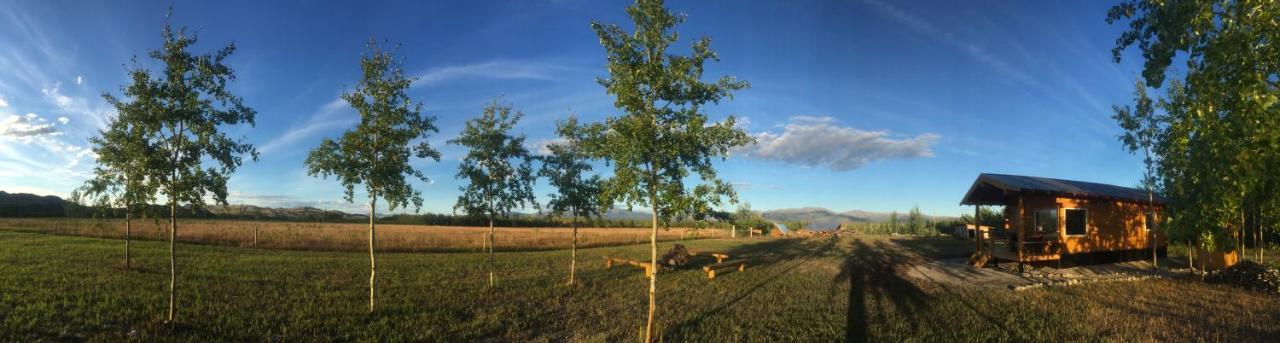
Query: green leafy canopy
[[376, 153], [1214, 135], [497, 167], [169, 127], [664, 137], [566, 169]]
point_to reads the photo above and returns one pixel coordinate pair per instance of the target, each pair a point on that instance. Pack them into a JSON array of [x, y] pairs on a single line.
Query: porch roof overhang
[[1001, 189]]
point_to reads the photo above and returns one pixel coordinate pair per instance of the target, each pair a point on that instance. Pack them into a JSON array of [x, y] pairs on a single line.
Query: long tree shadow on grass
[[790, 253], [872, 273]]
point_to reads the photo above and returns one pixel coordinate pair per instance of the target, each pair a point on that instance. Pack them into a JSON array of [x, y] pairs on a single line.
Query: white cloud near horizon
[[25, 127], [822, 142], [33, 149], [496, 69], [288, 201]]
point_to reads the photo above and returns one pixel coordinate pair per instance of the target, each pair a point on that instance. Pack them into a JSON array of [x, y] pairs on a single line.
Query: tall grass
[[350, 236]]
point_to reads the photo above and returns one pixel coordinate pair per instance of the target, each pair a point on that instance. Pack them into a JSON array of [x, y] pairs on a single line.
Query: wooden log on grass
[[609, 261], [719, 256], [711, 269]]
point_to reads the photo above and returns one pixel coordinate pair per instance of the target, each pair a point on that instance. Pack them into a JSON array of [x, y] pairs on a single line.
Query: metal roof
[[992, 189], [782, 228]]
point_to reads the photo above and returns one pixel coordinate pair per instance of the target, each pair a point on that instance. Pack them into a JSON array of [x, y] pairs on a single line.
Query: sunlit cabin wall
[[1109, 225]]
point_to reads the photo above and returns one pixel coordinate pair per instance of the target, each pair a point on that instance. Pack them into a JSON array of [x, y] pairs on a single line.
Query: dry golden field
[[349, 236]]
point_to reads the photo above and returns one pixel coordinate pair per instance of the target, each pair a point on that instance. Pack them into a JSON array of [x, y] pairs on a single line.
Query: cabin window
[[1047, 221], [1149, 221], [1076, 221]]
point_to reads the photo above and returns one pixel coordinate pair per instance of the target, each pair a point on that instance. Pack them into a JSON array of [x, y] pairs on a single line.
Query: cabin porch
[[1002, 245]]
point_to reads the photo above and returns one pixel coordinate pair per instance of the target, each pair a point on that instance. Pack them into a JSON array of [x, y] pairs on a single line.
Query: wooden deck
[[1003, 253]]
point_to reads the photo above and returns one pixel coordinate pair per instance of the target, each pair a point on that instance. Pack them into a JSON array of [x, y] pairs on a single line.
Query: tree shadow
[[872, 271], [937, 248], [788, 253]]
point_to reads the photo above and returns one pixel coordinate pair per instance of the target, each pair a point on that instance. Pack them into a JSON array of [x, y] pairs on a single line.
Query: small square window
[[1047, 221], [1076, 218]]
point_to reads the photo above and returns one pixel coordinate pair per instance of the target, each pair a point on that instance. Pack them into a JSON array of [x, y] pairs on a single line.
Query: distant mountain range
[[821, 218], [817, 217], [295, 213], [30, 205]]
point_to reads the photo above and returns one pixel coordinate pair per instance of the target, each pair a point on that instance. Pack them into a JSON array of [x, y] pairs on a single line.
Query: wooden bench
[[711, 269], [719, 256], [609, 261]]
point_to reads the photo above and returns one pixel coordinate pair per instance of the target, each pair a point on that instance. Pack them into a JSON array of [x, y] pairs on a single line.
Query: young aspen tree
[[497, 168], [577, 195], [663, 136], [116, 180], [169, 133], [376, 152]]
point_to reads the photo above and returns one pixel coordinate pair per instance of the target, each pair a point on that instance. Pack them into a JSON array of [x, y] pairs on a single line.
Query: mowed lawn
[[817, 289]]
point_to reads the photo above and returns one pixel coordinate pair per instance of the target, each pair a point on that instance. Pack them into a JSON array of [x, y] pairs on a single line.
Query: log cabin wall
[[1109, 226]]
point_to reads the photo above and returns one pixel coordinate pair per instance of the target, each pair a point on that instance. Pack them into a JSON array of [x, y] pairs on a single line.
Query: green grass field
[[72, 288]]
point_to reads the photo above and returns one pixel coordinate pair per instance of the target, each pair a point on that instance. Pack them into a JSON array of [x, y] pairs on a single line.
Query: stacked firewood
[[677, 256], [1248, 275]]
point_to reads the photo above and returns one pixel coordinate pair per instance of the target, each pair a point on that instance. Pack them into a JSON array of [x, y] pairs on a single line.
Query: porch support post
[[977, 227], [1022, 231]]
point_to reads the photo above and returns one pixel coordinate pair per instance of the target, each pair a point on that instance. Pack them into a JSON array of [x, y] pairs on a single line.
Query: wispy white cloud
[[26, 127], [822, 142], [45, 153], [974, 51], [542, 147], [748, 185], [497, 69], [289, 201], [32, 149], [96, 113], [325, 117]]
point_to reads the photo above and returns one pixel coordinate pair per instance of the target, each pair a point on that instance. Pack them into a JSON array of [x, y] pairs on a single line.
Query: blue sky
[[873, 105]]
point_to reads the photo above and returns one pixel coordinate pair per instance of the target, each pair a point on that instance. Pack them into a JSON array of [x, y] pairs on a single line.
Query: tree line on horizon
[[167, 142]]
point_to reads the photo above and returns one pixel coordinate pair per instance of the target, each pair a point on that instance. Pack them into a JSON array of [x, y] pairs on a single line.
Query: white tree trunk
[[491, 241], [1191, 251], [173, 264], [653, 278], [573, 252], [1240, 238], [128, 230], [373, 262]]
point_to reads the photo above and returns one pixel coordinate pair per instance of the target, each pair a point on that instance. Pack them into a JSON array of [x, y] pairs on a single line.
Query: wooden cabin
[[780, 230], [1050, 220]]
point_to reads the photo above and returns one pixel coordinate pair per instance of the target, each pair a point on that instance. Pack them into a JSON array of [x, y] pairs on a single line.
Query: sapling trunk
[[128, 230], [373, 262], [1240, 237], [491, 265], [573, 251], [173, 264], [653, 277]]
